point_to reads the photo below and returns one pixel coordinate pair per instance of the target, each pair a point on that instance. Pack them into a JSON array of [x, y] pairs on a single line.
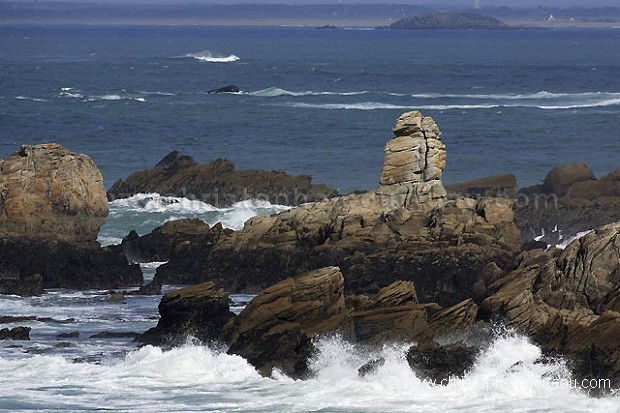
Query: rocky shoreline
[[410, 261]]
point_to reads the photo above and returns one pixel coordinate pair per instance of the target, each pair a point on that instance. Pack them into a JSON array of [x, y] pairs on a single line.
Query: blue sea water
[[319, 102]]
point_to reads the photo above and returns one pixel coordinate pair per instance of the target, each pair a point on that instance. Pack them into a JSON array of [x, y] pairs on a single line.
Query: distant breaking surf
[[207, 56]]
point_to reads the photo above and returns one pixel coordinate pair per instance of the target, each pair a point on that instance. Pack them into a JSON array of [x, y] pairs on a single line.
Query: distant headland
[[449, 20]]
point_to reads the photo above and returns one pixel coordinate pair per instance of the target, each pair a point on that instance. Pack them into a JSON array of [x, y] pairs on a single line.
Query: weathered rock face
[[52, 204], [276, 328], [405, 230], [219, 183], [568, 301], [572, 200], [48, 191], [200, 311], [414, 162]]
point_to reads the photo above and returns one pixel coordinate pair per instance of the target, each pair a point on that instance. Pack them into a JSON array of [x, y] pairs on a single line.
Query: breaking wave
[[207, 56], [114, 97], [505, 378], [145, 212], [275, 92]]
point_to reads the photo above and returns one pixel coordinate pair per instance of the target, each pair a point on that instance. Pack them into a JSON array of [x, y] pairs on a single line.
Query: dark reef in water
[[219, 183]]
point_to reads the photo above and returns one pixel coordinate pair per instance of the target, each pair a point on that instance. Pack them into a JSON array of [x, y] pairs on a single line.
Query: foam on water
[[115, 97], [207, 56], [144, 212], [505, 378], [275, 92], [20, 97]]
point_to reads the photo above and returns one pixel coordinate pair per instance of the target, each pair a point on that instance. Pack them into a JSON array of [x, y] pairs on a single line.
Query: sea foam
[[505, 378], [207, 56]]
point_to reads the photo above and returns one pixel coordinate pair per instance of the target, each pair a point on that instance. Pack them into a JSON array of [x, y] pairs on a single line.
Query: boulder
[[200, 311], [561, 178], [52, 204], [50, 192], [219, 183]]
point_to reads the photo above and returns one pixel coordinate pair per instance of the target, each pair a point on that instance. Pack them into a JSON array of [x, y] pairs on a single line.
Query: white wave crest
[[381, 105], [20, 97], [505, 378], [349, 106], [538, 95], [275, 92], [115, 97], [154, 202], [207, 56]]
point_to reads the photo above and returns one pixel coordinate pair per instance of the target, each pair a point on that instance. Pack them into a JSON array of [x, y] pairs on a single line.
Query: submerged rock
[[16, 333], [219, 183]]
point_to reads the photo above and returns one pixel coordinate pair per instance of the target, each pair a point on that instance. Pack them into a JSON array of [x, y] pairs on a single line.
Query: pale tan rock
[[49, 192]]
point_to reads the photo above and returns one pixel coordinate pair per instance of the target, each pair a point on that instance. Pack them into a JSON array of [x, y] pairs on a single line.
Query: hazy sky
[[458, 3]]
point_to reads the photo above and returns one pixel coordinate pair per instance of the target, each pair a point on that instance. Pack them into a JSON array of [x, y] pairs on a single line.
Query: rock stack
[[414, 162], [52, 204]]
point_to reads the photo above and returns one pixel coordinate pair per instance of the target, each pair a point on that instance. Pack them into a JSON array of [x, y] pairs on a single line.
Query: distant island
[[449, 20]]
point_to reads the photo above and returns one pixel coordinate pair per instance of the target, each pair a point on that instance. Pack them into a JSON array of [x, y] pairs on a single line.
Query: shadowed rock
[[219, 183]]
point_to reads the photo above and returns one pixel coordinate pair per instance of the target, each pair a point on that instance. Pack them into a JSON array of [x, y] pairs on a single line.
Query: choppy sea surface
[[319, 102]]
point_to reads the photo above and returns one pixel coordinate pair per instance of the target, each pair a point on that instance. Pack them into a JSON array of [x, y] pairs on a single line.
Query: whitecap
[[207, 56], [275, 92], [154, 202], [20, 97]]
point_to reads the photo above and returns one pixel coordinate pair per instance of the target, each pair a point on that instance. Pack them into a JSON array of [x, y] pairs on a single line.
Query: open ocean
[[319, 102]]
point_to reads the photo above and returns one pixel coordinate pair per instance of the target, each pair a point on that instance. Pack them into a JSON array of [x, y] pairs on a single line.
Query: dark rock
[[441, 363], [497, 186], [7, 319], [161, 243], [226, 89], [370, 367], [67, 265], [12, 282], [72, 334], [219, 183], [200, 311], [17, 333]]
